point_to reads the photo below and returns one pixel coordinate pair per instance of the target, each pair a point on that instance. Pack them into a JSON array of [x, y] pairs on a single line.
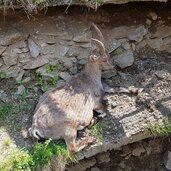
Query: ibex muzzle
[[62, 112]]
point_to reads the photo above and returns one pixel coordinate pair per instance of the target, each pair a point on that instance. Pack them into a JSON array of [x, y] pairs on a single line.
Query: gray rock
[[62, 50], [148, 22], [24, 57], [25, 49], [153, 15], [74, 51], [155, 43], [26, 80], [21, 44], [142, 44], [3, 96], [138, 150], [84, 54], [112, 45], [83, 37], [68, 63], [160, 74], [48, 49], [124, 59], [11, 72], [167, 160], [73, 70], [82, 61], [34, 48], [65, 76], [10, 56], [2, 49], [120, 32], [87, 45], [12, 37], [20, 90], [126, 45], [82, 165], [132, 33], [20, 76], [95, 169], [162, 32], [103, 157], [38, 62], [60, 83], [137, 34], [108, 74]]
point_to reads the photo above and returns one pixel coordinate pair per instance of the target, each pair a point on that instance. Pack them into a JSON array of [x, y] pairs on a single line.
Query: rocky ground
[[40, 53]]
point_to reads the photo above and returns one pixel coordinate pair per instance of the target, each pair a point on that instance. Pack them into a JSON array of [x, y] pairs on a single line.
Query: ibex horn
[[99, 33], [100, 45]]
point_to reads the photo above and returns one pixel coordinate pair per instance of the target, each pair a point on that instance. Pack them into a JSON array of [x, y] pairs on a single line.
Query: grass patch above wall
[[41, 155], [32, 5]]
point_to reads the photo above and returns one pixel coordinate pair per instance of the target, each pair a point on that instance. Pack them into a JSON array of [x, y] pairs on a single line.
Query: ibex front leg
[[75, 145]]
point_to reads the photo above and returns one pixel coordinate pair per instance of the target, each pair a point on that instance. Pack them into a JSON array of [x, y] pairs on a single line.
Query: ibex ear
[[94, 57]]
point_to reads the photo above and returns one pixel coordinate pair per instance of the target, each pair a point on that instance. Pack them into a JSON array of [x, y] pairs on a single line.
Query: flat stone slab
[[129, 117], [127, 122]]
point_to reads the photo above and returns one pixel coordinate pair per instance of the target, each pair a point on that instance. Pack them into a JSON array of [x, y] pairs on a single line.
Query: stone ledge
[[128, 122]]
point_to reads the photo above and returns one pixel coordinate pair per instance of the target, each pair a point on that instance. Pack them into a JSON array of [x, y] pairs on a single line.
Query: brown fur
[[62, 112]]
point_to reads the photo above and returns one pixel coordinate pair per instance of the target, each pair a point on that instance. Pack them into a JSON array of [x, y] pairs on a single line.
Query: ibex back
[[62, 112]]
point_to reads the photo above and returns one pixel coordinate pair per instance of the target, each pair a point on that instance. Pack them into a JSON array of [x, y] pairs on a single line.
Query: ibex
[[62, 112]]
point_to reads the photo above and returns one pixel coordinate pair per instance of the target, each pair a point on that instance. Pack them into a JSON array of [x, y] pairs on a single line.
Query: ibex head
[[102, 56]]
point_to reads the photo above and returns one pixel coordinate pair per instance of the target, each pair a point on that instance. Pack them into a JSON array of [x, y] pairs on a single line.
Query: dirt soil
[[143, 73]]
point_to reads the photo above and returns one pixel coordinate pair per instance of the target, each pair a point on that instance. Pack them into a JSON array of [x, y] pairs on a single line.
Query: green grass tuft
[[163, 129], [41, 155], [97, 131], [5, 109]]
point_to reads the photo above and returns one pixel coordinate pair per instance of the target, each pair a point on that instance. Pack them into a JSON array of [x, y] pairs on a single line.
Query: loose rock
[[82, 165], [162, 32], [153, 15], [104, 157], [160, 74], [20, 76], [83, 37], [3, 96], [167, 160], [82, 62], [74, 51], [125, 59], [112, 45], [11, 72], [36, 63], [108, 74], [34, 48], [12, 38], [155, 43], [65, 76], [95, 169], [73, 70], [2, 49], [62, 50], [148, 22], [68, 63], [137, 151], [21, 89], [10, 56], [137, 34]]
